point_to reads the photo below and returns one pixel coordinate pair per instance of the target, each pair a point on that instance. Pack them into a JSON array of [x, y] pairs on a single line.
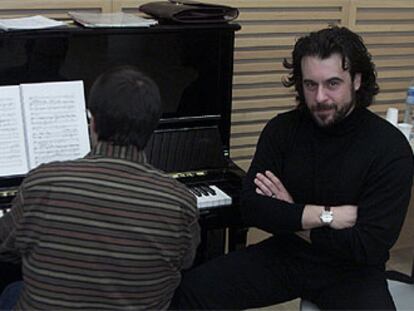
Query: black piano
[[193, 66]]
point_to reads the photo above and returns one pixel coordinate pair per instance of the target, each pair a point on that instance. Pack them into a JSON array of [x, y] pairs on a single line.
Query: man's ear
[[357, 81], [92, 124], [92, 131]]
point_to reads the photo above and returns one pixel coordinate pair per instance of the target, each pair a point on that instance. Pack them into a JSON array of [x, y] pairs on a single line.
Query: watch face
[[326, 217]]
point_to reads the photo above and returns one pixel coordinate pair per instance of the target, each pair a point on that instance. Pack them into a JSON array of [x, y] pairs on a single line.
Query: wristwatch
[[326, 215]]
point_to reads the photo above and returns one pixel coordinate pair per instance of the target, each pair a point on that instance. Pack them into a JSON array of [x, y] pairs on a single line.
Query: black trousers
[[265, 274]]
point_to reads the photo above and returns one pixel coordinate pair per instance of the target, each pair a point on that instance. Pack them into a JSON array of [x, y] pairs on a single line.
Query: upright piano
[[193, 67]]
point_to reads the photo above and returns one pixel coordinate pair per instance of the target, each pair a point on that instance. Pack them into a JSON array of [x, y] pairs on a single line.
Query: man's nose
[[321, 94]]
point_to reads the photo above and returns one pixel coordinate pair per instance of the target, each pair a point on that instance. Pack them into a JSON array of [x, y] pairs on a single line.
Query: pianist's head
[[125, 106]]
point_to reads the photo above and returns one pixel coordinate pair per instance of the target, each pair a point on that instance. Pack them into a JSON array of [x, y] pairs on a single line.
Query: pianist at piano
[[107, 231], [192, 140]]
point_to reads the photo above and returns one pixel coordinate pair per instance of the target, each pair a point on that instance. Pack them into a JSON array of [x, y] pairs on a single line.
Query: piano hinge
[[188, 174], [8, 193]]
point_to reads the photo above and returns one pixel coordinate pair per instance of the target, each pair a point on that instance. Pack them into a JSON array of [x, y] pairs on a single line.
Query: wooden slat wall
[[269, 30], [388, 30], [128, 6]]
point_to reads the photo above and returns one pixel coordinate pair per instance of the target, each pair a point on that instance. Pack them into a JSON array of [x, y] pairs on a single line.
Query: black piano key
[[195, 191], [208, 189], [164, 151], [202, 190]]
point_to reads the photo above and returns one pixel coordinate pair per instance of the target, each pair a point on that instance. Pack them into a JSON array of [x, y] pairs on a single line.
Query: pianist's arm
[[8, 227], [189, 256]]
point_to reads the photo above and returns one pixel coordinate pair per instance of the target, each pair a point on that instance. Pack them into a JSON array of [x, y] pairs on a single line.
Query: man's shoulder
[[287, 116], [56, 167], [285, 120], [164, 183], [381, 129], [384, 136]]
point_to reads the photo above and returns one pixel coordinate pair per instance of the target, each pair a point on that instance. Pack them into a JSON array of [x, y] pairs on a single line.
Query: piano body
[[193, 67]]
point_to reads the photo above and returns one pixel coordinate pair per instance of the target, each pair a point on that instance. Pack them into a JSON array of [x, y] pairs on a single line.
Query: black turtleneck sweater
[[363, 160]]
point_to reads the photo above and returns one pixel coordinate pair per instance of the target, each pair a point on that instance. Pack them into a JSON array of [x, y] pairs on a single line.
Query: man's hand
[[269, 185], [344, 216]]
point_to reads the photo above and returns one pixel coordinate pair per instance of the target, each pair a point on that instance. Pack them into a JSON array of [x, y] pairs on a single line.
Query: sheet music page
[[13, 160], [116, 19], [56, 124], [30, 22]]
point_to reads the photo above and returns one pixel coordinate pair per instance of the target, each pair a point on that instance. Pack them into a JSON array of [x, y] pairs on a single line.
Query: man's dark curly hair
[[324, 43]]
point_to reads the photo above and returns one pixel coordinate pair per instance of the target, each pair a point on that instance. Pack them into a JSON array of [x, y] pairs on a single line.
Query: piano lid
[[193, 66]]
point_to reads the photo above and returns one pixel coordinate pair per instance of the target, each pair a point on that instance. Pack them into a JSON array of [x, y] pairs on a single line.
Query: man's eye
[[309, 85], [332, 84]]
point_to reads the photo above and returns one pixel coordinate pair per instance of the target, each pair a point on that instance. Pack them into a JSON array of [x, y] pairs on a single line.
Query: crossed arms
[[344, 216]]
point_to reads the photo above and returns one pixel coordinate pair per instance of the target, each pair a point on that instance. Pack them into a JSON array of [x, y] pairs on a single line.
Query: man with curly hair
[[330, 180]]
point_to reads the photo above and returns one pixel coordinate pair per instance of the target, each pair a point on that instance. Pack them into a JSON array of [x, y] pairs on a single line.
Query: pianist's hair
[[324, 43], [126, 106]]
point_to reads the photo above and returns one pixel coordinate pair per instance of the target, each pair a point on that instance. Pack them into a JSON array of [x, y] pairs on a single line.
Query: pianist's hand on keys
[[209, 196]]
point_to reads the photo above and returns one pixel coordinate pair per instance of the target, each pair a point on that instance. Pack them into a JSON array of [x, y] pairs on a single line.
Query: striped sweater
[[106, 232]]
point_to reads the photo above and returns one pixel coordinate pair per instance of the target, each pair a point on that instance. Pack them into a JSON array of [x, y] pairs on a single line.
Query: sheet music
[[116, 19], [13, 160], [30, 22], [56, 126]]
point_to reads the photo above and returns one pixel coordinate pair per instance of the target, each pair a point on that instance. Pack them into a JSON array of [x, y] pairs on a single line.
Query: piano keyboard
[[209, 196]]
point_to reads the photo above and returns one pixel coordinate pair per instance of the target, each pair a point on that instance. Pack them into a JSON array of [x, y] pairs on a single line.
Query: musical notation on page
[[42, 122]]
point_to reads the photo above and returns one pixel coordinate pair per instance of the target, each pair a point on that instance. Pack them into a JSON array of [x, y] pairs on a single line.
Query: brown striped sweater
[[106, 232]]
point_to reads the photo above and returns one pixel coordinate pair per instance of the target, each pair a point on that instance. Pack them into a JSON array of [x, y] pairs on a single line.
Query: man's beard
[[339, 113]]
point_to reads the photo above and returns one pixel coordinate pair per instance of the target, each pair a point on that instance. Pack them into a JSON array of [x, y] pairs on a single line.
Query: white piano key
[[210, 200]]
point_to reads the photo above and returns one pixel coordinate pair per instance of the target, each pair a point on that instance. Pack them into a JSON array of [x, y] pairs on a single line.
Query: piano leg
[[237, 238], [213, 242]]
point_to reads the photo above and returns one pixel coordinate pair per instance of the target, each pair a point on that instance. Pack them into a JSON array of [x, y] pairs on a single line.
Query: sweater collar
[[345, 126], [111, 150]]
